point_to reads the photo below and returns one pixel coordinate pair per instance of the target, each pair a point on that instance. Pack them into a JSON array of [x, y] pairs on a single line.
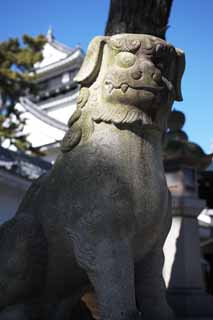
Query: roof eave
[[40, 72]]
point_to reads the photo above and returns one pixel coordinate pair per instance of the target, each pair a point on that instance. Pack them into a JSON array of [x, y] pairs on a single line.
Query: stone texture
[[101, 215]]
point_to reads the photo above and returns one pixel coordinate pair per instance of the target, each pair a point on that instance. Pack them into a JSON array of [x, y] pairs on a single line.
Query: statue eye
[[125, 59]]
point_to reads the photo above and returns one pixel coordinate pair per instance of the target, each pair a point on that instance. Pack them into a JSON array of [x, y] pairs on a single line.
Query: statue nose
[[137, 74], [150, 71]]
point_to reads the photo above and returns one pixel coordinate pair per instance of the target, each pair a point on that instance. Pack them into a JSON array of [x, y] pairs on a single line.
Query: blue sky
[[77, 22]]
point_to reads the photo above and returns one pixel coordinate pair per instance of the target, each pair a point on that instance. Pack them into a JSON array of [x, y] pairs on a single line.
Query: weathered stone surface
[[101, 215]]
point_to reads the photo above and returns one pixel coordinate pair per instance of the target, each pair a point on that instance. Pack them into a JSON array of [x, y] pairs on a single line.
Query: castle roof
[[56, 55], [48, 111]]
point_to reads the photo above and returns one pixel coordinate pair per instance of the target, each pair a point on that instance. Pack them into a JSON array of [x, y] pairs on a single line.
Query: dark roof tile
[[23, 165]]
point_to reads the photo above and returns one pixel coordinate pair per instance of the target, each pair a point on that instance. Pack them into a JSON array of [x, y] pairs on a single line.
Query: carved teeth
[[110, 88], [124, 87]]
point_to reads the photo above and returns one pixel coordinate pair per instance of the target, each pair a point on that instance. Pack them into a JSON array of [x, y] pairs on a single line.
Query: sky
[[77, 22]]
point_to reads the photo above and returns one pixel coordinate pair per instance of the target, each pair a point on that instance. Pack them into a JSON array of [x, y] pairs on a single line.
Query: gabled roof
[[56, 54], [62, 47], [56, 44]]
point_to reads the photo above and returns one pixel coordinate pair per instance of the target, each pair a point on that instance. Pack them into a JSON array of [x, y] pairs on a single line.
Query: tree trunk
[[138, 16]]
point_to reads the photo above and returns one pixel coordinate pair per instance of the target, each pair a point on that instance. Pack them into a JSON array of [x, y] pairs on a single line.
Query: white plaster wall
[[63, 114], [40, 133]]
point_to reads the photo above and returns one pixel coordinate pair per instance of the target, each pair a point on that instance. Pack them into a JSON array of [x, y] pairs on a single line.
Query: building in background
[[46, 116], [47, 113]]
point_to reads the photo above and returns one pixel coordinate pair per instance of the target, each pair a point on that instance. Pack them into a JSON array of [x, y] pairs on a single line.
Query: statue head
[[127, 78]]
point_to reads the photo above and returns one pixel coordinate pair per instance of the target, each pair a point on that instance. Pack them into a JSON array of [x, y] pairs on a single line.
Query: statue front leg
[[150, 287], [112, 276]]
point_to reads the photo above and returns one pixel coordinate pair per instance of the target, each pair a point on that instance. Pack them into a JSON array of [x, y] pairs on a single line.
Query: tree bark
[[138, 16]]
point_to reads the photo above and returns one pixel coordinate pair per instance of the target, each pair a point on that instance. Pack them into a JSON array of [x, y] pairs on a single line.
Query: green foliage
[[17, 77]]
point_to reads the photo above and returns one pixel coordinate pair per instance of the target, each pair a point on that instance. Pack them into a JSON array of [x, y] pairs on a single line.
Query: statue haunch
[[100, 217]]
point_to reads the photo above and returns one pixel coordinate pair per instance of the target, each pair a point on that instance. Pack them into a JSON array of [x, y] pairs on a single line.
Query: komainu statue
[[100, 217]]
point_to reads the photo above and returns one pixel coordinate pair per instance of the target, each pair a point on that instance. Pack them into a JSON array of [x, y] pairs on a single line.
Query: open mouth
[[125, 86]]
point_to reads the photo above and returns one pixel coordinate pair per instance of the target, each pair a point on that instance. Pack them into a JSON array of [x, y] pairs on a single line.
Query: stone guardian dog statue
[[101, 215]]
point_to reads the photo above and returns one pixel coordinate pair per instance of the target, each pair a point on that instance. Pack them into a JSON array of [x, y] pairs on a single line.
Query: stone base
[[191, 305]]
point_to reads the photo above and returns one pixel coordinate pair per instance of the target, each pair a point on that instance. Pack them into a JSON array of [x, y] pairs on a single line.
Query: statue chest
[[134, 165]]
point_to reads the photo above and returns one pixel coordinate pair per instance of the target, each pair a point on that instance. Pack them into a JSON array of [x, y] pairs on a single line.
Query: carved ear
[[180, 67], [92, 61]]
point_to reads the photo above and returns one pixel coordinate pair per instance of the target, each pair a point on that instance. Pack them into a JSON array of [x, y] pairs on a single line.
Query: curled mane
[[80, 124], [90, 110]]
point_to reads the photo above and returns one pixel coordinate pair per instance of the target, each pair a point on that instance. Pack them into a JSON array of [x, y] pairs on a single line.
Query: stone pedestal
[[182, 269]]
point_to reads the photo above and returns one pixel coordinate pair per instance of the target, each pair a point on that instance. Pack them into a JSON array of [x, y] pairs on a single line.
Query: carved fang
[[124, 87]]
